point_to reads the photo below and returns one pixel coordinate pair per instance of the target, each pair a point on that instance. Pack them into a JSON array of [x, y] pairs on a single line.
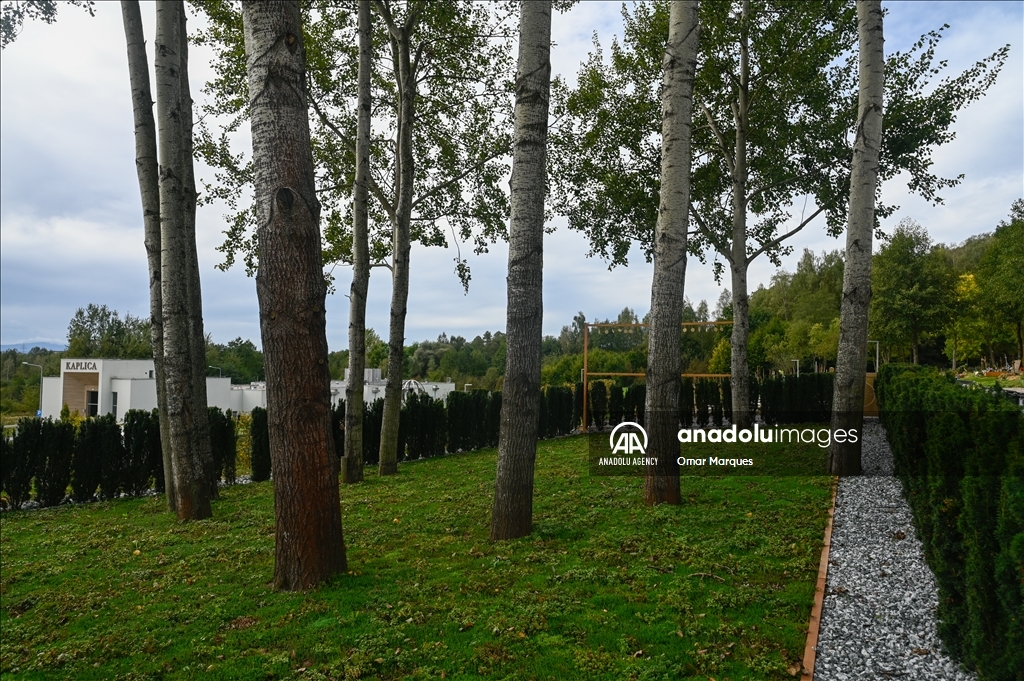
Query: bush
[[86, 462], [725, 385], [338, 427], [112, 456], [598, 403], [635, 401], [616, 405], [139, 441], [53, 471], [156, 455], [577, 407], [686, 402], [957, 452], [223, 445], [259, 436], [373, 419], [22, 460]]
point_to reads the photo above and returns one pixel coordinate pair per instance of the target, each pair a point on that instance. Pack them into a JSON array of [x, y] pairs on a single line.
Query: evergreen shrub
[[87, 460], [23, 460], [259, 434]]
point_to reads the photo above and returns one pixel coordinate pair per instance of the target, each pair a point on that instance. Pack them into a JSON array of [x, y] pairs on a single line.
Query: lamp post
[[797, 363], [877, 344], [220, 374], [39, 413]]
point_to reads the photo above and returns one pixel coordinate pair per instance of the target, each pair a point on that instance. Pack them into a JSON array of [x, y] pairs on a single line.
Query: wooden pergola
[[687, 327]]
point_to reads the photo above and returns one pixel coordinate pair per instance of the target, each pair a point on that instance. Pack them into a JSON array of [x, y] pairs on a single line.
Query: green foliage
[[806, 398], [957, 452], [223, 444], [22, 460], [98, 331], [142, 463], [14, 14], [53, 472], [239, 360], [259, 437], [598, 402], [111, 456], [615, 405], [19, 384], [686, 404]]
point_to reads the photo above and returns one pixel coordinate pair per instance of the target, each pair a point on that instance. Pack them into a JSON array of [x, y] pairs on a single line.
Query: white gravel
[[878, 619]]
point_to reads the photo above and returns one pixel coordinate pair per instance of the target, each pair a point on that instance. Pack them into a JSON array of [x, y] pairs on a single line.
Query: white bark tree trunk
[[848, 396], [405, 173], [185, 413], [149, 187], [352, 470], [309, 546], [679, 66], [512, 514]]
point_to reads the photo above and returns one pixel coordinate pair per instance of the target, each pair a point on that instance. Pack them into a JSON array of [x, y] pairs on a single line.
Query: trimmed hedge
[[959, 456], [797, 399]]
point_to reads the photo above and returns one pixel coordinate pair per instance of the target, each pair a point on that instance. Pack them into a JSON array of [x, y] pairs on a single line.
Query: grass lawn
[[990, 381], [721, 586]]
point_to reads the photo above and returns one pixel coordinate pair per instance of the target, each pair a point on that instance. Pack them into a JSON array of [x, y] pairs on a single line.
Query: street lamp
[[797, 362], [220, 374], [39, 413]]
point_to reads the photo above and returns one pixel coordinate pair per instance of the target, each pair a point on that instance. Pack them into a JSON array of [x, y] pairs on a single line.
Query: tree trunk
[[400, 47], [290, 285], [848, 395], [512, 514], [149, 187], [352, 469], [661, 482], [189, 460], [740, 369], [195, 297]]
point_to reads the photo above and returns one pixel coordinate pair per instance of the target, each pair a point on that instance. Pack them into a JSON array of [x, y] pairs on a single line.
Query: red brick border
[[819, 594]]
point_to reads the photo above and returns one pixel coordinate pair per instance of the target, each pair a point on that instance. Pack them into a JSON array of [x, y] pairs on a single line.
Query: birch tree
[[661, 481], [512, 514], [353, 459], [180, 296], [309, 547], [851, 362], [149, 187]]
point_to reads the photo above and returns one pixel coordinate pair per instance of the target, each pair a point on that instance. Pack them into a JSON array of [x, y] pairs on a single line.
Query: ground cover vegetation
[[604, 587], [959, 454]]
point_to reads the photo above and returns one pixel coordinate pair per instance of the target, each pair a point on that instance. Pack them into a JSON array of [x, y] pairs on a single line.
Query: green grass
[[605, 587], [990, 381]]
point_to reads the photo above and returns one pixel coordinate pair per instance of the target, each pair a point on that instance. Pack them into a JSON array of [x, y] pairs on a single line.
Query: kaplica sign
[[79, 365]]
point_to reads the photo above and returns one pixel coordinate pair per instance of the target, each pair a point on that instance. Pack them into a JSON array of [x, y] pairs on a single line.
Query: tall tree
[[774, 135], [147, 168], [309, 546], [848, 392], [512, 515], [353, 461], [457, 67], [186, 396], [661, 481], [1000, 269], [913, 289]]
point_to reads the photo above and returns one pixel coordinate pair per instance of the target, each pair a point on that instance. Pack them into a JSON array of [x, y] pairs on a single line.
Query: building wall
[[74, 386], [51, 396]]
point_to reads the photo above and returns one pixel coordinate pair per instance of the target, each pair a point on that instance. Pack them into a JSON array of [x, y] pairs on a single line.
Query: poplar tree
[[290, 285], [851, 361], [512, 514], [679, 65]]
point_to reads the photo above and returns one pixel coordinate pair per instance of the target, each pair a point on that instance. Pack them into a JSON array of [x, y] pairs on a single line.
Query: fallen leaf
[[794, 668], [920, 651], [638, 653], [136, 552]]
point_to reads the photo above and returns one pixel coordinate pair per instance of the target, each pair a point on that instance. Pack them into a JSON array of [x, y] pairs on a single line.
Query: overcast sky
[[70, 216]]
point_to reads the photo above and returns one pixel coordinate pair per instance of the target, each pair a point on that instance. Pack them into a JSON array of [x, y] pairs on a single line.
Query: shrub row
[[797, 399], [959, 454], [98, 458]]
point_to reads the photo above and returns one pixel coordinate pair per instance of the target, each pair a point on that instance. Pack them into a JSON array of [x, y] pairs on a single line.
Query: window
[[92, 403]]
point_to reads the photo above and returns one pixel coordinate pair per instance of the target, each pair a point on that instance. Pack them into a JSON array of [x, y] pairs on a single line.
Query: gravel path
[[878, 619]]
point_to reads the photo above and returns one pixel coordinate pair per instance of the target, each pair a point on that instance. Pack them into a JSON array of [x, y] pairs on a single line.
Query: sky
[[71, 219]]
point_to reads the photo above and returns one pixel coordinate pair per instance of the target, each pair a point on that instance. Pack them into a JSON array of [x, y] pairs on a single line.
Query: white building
[[94, 387]]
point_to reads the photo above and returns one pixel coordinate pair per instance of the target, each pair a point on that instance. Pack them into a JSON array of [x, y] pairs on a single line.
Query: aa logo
[[628, 440]]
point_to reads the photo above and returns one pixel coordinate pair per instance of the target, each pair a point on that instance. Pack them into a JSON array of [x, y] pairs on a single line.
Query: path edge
[[810, 649]]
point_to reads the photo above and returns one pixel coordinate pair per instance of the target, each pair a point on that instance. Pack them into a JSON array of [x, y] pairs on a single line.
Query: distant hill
[[28, 345]]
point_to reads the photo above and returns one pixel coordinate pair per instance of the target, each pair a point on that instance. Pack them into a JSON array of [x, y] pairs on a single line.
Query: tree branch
[[703, 228], [775, 242], [718, 136]]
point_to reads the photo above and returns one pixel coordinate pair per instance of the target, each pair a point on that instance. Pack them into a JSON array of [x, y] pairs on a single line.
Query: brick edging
[[819, 594]]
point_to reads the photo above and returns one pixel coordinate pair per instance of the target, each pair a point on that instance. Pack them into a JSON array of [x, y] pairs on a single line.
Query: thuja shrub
[[599, 402], [615, 405], [636, 398], [338, 427], [53, 471], [715, 401], [156, 454], [223, 444], [373, 419], [112, 456], [259, 437], [86, 461], [958, 454], [577, 406], [702, 395], [492, 419], [22, 460], [686, 402], [725, 385], [139, 457]]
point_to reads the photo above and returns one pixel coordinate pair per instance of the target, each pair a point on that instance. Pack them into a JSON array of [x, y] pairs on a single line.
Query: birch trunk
[[848, 396], [512, 514], [400, 46], [740, 369], [309, 547], [679, 65], [195, 297], [149, 187], [188, 459], [352, 464]]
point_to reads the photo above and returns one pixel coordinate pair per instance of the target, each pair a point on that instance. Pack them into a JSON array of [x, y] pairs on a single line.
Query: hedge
[[958, 454], [797, 399], [259, 437]]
